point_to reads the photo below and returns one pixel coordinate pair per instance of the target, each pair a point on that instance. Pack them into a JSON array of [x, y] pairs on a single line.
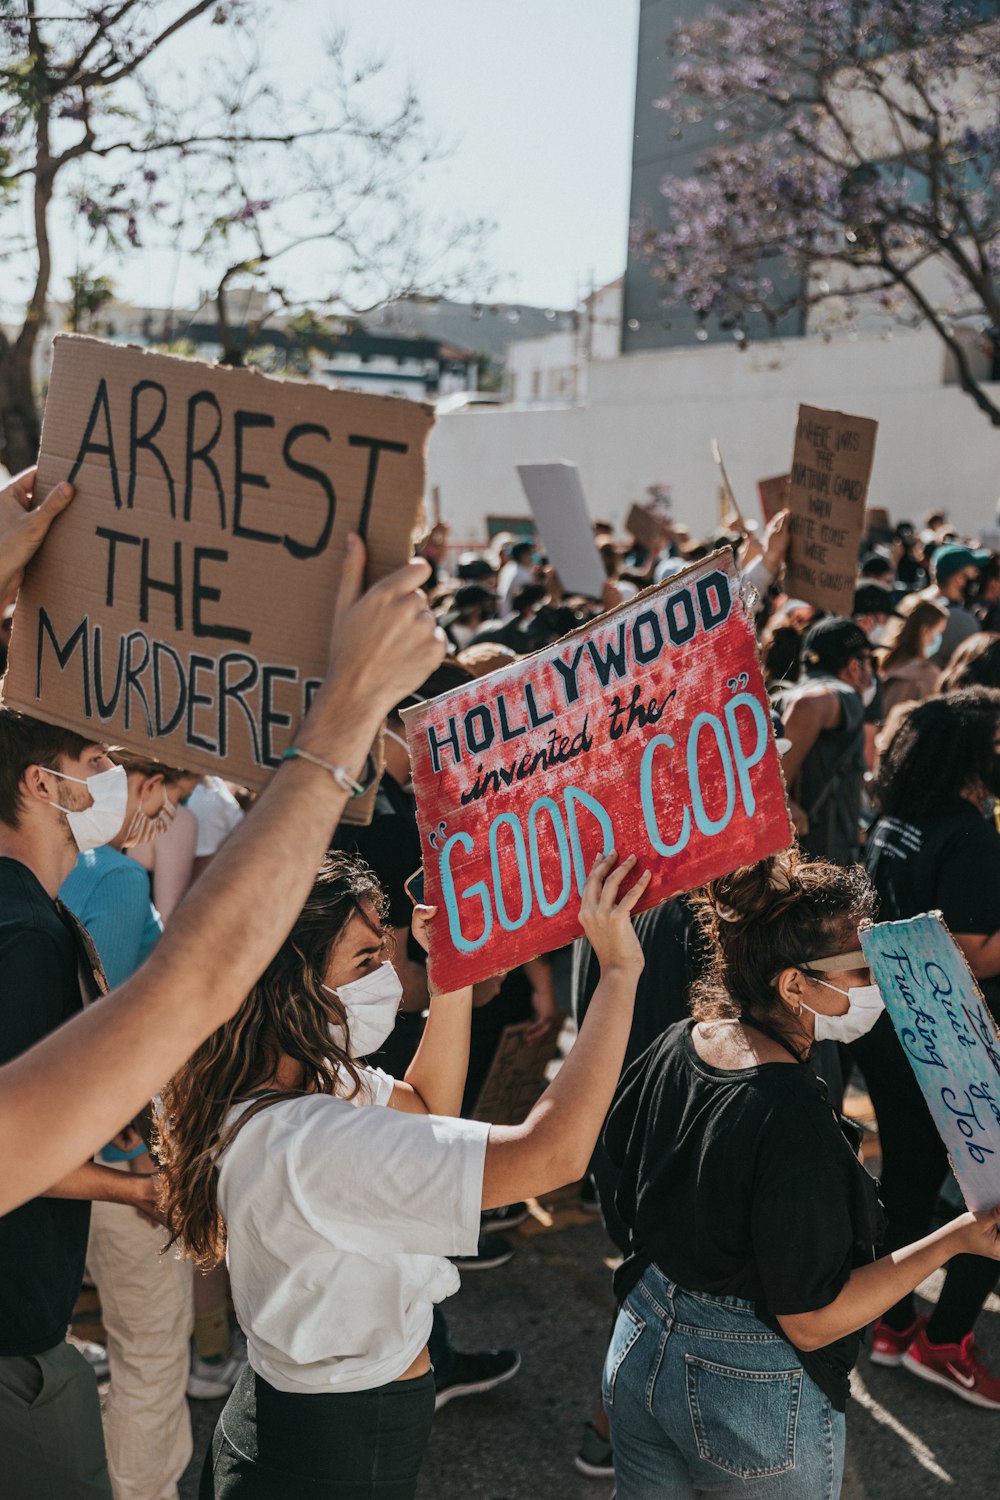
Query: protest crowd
[[233, 1103]]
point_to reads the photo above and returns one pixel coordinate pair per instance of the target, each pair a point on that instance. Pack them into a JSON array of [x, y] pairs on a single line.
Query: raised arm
[[106, 1063], [23, 525], [556, 1141]]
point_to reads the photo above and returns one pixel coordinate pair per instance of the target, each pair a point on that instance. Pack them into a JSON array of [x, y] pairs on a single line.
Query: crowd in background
[[888, 721]]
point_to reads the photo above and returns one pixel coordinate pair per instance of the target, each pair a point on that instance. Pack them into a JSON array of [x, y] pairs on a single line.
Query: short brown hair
[[28, 742]]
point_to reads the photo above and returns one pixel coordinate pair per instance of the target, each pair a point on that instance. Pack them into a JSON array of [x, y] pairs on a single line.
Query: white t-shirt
[[338, 1221], [218, 813]]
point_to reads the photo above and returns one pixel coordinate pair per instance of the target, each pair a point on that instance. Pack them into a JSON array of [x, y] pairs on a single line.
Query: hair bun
[[749, 892]]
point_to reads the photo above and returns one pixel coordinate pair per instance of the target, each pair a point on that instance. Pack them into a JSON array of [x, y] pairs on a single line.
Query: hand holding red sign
[[647, 731]]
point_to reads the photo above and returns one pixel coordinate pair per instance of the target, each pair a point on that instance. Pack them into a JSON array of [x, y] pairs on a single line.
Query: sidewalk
[[906, 1441]]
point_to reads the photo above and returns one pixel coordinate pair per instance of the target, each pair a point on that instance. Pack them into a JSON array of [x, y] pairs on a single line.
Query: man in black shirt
[[824, 717], [51, 1443]]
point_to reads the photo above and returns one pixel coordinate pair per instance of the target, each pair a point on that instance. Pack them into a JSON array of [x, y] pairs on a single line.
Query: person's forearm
[[440, 1065], [220, 939], [981, 953], [95, 1183], [871, 1289], [556, 1141]]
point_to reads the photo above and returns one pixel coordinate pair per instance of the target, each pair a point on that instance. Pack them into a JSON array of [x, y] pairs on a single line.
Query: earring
[[798, 1010]]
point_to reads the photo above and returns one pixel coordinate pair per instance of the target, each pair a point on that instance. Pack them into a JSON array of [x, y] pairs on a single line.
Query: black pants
[[914, 1164], [352, 1445]]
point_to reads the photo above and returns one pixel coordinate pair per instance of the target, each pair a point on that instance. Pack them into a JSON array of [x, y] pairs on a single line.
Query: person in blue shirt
[[146, 1297]]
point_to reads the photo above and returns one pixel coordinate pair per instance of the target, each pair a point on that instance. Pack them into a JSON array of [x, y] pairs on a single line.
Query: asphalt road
[[553, 1303]]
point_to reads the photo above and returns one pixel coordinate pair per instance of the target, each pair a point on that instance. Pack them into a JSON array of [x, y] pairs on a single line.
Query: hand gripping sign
[[950, 1039], [646, 731]]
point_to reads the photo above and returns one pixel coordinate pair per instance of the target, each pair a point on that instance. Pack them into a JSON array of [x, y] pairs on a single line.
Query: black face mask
[[971, 591]]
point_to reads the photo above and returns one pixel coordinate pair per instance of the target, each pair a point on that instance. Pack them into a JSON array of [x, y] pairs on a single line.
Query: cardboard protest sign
[[517, 1075], [182, 605], [951, 1040], [879, 519], [649, 527], [647, 731], [730, 516], [831, 467], [773, 495], [556, 497]]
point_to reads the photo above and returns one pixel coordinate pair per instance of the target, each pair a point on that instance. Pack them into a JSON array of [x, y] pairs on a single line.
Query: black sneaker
[[475, 1374], [496, 1220], [492, 1252]]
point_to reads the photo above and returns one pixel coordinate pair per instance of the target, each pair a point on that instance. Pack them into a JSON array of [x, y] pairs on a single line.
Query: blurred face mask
[[868, 693], [371, 1005], [879, 634], [933, 646], [98, 824], [864, 1006]]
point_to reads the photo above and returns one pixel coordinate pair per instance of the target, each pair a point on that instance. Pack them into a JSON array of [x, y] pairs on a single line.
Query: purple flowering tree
[[118, 121], [854, 171]]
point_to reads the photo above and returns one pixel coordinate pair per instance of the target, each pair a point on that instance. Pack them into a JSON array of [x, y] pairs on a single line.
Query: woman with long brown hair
[[753, 1224], [907, 668], [336, 1220]]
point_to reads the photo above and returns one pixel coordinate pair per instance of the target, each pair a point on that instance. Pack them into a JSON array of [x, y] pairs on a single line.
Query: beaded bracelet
[[340, 774]]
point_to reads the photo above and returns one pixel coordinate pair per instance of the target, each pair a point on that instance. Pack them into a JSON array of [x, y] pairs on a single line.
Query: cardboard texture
[[649, 526], [731, 518], [517, 1075], [557, 502], [182, 605], [831, 468], [773, 495], [647, 731], [950, 1039]]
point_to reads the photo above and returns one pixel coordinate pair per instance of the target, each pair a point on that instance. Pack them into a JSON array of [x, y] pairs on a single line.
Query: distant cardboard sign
[[831, 467], [556, 497], [516, 1077], [730, 515], [878, 518], [773, 495], [649, 527], [182, 605], [647, 731], [950, 1039]]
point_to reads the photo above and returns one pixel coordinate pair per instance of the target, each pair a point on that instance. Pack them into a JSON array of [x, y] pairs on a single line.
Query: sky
[[535, 97]]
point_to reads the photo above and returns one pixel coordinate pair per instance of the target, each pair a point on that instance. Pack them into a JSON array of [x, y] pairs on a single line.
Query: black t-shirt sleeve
[[801, 1226], [619, 1126], [967, 885], [33, 986]]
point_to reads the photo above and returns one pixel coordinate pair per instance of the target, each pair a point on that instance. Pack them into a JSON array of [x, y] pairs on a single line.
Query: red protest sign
[[647, 731]]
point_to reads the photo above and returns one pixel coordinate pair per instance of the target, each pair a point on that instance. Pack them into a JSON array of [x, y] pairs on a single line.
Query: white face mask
[[879, 634], [868, 693], [864, 1006], [371, 1005], [101, 822]]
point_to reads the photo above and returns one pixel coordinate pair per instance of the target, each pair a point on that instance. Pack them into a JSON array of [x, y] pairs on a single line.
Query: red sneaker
[[889, 1344], [957, 1367]]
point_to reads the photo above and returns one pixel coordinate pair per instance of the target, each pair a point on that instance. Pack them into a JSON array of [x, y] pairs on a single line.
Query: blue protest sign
[[951, 1040]]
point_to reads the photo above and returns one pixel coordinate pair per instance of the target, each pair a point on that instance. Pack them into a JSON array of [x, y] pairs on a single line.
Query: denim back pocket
[[628, 1326], [744, 1420]]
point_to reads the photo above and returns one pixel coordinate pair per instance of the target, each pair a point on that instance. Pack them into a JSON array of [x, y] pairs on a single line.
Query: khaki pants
[[50, 1428], [148, 1313]]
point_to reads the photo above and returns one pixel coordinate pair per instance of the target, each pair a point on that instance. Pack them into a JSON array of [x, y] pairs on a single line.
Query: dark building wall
[[655, 154]]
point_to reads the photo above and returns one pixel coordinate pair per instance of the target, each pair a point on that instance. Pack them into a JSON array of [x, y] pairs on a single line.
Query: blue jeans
[[703, 1399]]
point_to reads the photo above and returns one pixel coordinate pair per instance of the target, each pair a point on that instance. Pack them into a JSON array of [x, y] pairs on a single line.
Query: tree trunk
[[20, 428]]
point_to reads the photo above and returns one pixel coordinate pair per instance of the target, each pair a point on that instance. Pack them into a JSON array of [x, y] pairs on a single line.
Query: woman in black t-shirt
[[753, 1224], [932, 849]]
